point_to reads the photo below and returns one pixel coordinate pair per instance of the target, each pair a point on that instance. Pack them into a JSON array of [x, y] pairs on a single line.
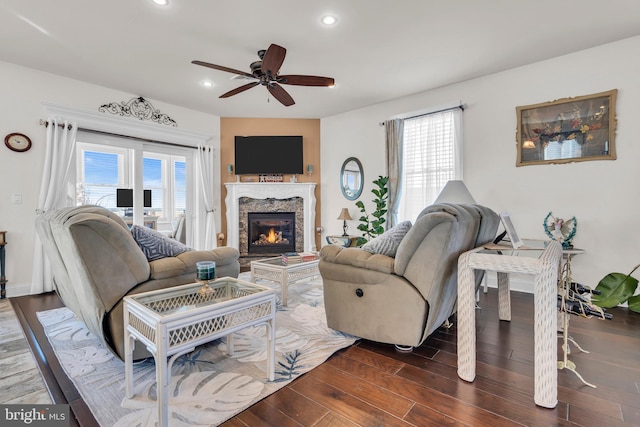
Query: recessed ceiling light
[[161, 2], [207, 83], [329, 20]]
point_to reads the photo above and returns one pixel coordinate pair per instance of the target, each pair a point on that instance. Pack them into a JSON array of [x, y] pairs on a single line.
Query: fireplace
[[245, 197], [271, 232]]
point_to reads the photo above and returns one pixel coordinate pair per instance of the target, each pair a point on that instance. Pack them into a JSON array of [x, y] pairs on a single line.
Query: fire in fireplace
[[272, 232]]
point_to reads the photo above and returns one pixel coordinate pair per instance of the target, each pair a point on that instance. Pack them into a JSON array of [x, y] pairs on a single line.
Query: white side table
[[545, 270]]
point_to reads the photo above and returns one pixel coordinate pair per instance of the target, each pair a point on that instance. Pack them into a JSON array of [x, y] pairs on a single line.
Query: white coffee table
[[174, 321], [275, 270]]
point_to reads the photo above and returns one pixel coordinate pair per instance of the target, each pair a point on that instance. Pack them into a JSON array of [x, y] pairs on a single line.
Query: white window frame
[[100, 122], [131, 153]]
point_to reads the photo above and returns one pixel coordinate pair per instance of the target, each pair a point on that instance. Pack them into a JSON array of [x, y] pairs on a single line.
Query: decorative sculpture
[[561, 230]]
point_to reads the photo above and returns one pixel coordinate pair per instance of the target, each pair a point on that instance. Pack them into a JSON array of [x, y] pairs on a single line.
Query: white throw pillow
[[387, 243]]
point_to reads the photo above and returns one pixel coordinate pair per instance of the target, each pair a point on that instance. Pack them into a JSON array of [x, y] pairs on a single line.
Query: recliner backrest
[[95, 259], [428, 256]]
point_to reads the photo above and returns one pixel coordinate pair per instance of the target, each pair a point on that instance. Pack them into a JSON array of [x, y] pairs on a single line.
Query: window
[[431, 156], [104, 166], [165, 176], [566, 149], [101, 171]]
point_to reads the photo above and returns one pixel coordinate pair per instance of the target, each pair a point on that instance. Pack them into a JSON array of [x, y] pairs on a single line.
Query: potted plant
[[371, 225], [615, 289]]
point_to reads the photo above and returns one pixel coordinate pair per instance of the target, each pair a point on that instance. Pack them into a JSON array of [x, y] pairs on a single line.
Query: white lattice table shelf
[[545, 270], [274, 270], [174, 321]]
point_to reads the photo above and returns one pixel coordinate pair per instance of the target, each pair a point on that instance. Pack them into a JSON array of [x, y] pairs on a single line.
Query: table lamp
[[344, 216], [455, 191]]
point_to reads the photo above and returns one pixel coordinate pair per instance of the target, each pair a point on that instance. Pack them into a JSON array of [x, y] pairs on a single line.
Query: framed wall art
[[567, 130]]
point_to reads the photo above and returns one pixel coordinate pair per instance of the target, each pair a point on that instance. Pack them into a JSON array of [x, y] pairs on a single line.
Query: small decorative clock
[[17, 142]]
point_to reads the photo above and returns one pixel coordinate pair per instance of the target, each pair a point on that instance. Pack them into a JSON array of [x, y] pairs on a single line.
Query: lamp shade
[[344, 215], [455, 192]]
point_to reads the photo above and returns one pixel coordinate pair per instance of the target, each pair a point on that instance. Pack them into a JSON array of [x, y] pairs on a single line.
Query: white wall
[[602, 195], [22, 92]]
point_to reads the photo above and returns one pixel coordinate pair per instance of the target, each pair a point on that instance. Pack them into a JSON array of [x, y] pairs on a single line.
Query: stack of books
[[308, 256], [291, 258]]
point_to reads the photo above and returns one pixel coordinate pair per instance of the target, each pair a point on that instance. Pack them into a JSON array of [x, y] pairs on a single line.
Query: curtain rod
[[461, 107], [45, 123]]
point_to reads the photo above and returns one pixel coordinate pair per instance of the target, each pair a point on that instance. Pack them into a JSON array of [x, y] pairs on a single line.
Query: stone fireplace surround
[[263, 191]]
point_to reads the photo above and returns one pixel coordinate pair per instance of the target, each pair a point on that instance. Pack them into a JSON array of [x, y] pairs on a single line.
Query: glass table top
[[189, 297]]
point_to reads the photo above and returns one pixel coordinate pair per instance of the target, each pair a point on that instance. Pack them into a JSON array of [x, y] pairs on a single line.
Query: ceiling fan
[[265, 72]]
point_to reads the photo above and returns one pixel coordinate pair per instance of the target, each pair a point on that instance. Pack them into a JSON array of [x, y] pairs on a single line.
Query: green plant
[[371, 225], [616, 288]]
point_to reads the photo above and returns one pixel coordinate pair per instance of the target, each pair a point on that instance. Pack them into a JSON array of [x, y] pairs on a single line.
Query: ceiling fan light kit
[[265, 72]]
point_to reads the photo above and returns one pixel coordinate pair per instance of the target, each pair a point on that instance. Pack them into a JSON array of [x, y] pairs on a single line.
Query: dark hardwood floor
[[372, 384]]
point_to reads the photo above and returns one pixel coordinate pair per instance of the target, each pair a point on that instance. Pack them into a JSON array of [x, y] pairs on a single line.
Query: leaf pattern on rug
[[250, 345], [199, 399], [312, 318], [286, 370], [83, 361], [65, 326], [208, 386]]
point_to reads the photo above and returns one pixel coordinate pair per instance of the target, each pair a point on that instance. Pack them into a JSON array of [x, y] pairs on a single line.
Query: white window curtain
[[431, 156], [206, 240], [394, 134], [57, 190]]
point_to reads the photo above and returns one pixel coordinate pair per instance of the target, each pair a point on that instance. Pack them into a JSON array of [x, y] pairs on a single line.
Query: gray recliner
[[403, 300], [96, 262]]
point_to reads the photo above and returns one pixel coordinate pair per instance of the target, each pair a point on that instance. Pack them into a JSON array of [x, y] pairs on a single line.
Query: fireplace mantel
[[262, 190]]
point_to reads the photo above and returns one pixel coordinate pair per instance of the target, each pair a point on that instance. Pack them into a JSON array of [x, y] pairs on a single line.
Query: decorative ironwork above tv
[[255, 155]]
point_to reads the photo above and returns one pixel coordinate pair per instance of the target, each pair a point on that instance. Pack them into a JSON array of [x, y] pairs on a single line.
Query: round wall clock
[[17, 142]]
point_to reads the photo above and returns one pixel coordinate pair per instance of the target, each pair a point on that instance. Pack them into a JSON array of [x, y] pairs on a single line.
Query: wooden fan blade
[[273, 59], [300, 80], [222, 68], [280, 94], [239, 89]]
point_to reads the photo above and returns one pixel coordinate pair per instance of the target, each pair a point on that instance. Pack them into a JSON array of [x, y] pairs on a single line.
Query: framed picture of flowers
[[567, 130]]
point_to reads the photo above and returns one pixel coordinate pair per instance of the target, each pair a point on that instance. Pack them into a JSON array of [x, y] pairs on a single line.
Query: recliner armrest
[[357, 257]]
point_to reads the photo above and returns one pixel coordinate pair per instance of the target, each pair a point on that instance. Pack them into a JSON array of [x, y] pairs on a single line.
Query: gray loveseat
[[401, 300], [96, 262]]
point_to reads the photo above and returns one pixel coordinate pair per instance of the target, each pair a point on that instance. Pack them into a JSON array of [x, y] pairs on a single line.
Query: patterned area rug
[[208, 386]]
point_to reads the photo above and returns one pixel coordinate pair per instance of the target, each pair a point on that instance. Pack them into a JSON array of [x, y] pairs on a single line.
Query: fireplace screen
[[272, 232]]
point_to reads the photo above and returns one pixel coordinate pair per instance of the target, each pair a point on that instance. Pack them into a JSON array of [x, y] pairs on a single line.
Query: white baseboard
[[18, 290], [517, 282]]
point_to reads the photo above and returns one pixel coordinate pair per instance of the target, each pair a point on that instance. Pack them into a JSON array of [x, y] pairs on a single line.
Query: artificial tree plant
[[371, 225]]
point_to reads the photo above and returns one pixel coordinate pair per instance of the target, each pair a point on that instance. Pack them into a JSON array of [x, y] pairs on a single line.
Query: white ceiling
[[378, 50]]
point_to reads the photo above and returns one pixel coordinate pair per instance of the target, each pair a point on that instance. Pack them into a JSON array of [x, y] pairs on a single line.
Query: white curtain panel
[[394, 134], [431, 156], [56, 191], [206, 240]]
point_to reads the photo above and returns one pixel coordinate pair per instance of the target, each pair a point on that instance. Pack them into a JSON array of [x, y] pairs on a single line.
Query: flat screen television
[[124, 198], [261, 155]]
